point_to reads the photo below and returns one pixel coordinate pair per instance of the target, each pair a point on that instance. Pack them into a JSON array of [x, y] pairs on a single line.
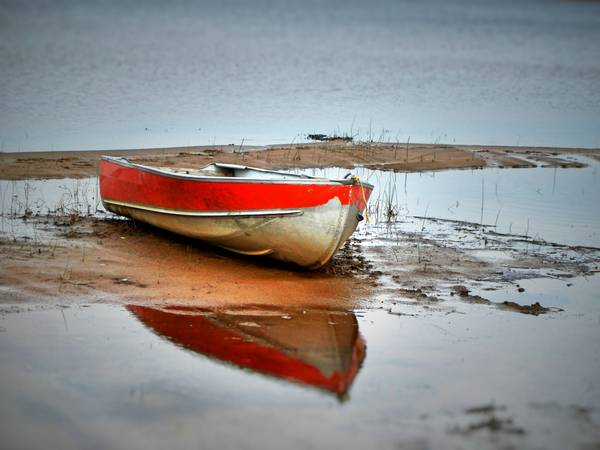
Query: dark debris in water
[[535, 309], [493, 424], [485, 409], [465, 296], [573, 411], [460, 290], [490, 421], [417, 294]]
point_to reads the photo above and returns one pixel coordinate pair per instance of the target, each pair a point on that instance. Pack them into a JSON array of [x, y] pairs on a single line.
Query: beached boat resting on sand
[[290, 217]]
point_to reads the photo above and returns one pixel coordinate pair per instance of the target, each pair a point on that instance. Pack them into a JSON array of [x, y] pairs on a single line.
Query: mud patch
[[465, 296], [444, 260], [349, 261], [534, 309]]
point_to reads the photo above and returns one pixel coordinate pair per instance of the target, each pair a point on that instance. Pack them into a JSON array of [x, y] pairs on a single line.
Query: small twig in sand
[[497, 216], [482, 199]]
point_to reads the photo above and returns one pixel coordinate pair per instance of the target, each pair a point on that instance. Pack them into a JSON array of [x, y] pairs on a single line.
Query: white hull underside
[[308, 237]]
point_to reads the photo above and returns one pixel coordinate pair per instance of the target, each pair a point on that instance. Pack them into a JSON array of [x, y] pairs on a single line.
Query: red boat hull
[[296, 219], [129, 184]]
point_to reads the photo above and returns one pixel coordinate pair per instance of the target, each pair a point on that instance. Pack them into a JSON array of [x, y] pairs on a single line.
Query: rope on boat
[[356, 179]]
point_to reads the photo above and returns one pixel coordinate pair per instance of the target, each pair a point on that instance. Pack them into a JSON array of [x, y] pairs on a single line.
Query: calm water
[[556, 205], [119, 74], [102, 376]]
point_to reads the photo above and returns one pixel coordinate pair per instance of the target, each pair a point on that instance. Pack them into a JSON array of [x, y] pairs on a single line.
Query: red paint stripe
[[132, 185]]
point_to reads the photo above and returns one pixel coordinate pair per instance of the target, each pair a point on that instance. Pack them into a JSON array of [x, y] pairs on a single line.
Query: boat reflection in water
[[314, 347]]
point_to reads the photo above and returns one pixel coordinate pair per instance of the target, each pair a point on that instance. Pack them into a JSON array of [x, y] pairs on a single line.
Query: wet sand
[[90, 259], [96, 259], [414, 261], [385, 156], [87, 259]]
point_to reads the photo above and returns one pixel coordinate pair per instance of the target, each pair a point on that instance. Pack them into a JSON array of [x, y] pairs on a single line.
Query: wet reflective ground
[[423, 362], [100, 376]]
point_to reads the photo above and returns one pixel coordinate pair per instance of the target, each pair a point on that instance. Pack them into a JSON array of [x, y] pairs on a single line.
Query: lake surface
[[128, 74]]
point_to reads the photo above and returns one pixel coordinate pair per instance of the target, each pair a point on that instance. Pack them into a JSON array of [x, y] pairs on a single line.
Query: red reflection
[[320, 348]]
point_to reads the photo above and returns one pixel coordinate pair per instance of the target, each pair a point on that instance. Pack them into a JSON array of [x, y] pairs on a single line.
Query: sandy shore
[[401, 157], [94, 259], [88, 260], [91, 259]]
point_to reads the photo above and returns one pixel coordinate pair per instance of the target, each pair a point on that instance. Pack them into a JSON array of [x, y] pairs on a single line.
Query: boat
[[317, 348], [294, 218]]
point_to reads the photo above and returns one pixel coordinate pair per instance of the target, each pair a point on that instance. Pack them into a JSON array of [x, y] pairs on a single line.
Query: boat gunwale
[[298, 179]]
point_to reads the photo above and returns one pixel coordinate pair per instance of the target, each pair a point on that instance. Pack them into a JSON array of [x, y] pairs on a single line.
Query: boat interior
[[233, 170], [220, 170]]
